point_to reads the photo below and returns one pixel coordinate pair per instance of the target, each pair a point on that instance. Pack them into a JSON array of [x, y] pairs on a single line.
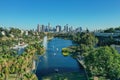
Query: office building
[[58, 28], [79, 29], [38, 28], [66, 28], [43, 28], [70, 29]]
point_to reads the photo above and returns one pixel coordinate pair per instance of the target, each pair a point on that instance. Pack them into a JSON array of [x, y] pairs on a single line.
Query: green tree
[[103, 61], [110, 30], [15, 31]]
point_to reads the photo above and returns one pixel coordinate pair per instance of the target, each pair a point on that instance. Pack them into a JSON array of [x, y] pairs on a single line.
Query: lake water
[[53, 60]]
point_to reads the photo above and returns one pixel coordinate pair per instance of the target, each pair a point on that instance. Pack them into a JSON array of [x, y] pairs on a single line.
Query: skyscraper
[[38, 28], [46, 29], [58, 28], [70, 28], [79, 29], [66, 28], [43, 28], [49, 27]]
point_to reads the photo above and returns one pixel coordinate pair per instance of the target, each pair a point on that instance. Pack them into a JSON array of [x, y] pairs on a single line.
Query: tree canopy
[[103, 61]]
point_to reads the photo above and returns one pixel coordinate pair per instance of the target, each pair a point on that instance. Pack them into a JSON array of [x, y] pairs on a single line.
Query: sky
[[91, 14]]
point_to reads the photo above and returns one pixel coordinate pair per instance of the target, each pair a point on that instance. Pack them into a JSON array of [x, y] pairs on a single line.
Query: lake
[[54, 62]]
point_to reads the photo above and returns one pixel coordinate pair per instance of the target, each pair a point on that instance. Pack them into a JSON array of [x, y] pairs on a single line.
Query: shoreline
[[81, 63]]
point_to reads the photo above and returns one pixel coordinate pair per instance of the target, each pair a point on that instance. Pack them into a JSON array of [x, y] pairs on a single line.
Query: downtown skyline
[[91, 14]]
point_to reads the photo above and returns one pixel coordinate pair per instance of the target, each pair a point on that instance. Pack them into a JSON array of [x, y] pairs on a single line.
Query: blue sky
[[91, 14]]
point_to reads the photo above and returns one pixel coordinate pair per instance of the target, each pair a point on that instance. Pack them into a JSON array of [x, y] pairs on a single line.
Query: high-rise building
[[54, 29], [66, 28], [49, 27], [70, 28], [58, 28], [46, 29], [43, 28], [38, 28], [79, 29]]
